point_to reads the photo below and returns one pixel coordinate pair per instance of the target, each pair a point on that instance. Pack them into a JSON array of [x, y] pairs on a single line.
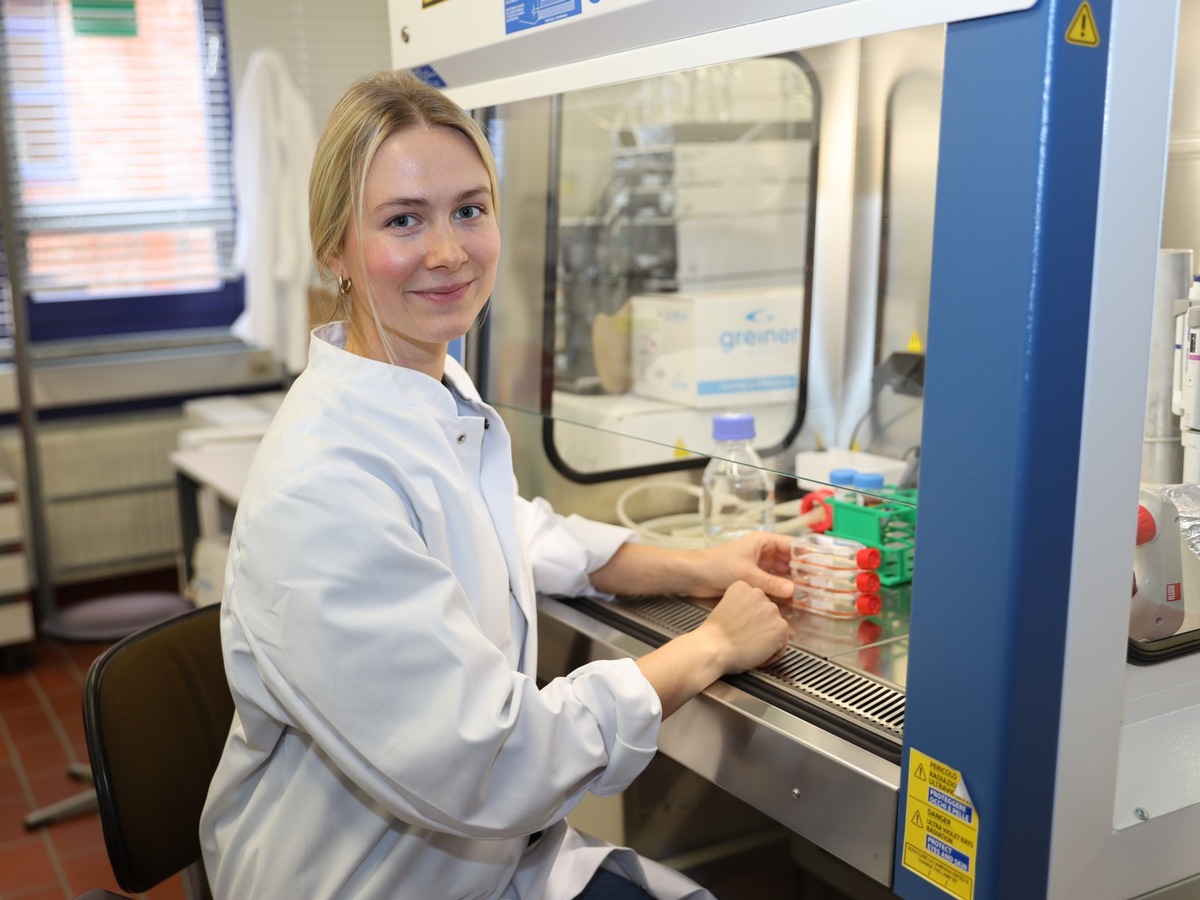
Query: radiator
[[108, 490]]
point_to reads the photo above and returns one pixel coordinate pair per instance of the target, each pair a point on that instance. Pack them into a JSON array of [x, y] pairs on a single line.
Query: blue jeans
[[607, 886]]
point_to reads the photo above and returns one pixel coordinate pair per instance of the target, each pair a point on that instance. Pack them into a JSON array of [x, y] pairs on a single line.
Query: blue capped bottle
[[738, 493], [842, 482], [869, 485]]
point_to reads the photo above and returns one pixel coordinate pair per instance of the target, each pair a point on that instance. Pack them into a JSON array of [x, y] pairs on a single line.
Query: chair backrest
[[156, 710]]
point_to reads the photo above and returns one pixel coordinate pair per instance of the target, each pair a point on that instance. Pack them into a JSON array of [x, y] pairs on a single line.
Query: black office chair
[[104, 619], [156, 712]]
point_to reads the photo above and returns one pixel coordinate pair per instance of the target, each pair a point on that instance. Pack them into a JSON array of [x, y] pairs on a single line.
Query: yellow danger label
[[681, 450], [1083, 30], [941, 826]]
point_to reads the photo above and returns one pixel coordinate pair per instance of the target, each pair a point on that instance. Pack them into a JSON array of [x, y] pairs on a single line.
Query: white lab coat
[[379, 636], [274, 140]]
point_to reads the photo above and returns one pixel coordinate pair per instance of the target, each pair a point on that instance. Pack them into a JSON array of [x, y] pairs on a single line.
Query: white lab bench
[[209, 480]]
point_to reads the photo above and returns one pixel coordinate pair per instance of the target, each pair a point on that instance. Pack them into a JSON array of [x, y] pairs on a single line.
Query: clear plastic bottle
[[738, 493]]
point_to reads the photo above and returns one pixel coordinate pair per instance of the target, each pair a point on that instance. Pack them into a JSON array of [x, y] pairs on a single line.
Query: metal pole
[[14, 253]]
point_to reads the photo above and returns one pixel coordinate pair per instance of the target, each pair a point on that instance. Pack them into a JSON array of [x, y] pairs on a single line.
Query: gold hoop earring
[[344, 286]]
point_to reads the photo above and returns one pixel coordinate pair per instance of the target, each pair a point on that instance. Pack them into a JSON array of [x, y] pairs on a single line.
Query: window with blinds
[[118, 124]]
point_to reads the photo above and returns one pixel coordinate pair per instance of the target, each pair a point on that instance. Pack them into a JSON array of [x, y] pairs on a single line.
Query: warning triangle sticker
[[920, 773], [1083, 30], [916, 820]]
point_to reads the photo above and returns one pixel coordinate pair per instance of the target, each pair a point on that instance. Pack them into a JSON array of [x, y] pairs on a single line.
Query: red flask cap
[[868, 604], [867, 581], [867, 558]]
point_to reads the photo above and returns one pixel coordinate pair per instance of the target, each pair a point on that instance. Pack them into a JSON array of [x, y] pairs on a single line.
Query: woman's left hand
[[761, 559]]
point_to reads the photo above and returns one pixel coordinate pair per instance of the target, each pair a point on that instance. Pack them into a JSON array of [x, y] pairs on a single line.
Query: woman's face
[[426, 245]]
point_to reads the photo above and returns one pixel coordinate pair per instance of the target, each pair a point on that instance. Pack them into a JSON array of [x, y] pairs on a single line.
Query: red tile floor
[[41, 731]]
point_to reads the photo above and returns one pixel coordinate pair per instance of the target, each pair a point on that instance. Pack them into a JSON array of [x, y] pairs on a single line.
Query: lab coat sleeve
[[361, 639], [564, 550]]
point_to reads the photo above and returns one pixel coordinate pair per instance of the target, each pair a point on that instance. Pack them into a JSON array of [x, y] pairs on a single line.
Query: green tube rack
[[889, 525]]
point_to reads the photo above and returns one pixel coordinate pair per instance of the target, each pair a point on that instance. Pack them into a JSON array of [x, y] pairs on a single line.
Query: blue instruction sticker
[[429, 75], [738, 385], [948, 853], [520, 15]]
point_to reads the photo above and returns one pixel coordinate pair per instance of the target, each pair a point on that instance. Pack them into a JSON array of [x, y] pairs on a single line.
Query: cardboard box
[[723, 349]]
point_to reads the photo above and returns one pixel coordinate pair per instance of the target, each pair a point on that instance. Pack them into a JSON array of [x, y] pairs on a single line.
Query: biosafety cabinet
[[925, 231]]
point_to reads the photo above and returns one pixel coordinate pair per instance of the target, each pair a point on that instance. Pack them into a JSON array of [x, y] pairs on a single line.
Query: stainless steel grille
[[849, 695]]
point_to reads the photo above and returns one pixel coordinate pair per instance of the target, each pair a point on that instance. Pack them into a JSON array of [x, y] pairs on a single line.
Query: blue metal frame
[[1018, 174]]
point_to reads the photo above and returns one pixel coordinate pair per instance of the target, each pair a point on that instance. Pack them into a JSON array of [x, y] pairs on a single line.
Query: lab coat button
[[462, 438]]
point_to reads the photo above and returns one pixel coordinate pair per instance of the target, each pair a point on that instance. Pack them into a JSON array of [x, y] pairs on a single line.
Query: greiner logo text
[[758, 337]]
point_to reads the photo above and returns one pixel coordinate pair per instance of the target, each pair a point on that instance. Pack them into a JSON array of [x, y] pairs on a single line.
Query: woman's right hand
[[745, 629], [748, 627]]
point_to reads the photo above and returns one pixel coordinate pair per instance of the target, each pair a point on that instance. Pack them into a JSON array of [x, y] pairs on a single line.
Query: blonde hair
[[374, 108]]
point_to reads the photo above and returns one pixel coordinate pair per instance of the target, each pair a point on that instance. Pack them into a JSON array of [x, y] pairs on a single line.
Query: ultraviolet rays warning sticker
[[941, 826]]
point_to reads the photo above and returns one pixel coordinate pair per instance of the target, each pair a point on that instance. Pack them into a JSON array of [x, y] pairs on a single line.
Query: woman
[[379, 621]]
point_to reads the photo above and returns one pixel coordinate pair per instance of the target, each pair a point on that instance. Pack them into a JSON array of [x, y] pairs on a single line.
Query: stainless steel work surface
[[811, 742], [876, 646]]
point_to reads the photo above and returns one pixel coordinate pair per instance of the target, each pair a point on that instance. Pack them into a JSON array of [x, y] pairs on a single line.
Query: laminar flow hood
[[486, 52]]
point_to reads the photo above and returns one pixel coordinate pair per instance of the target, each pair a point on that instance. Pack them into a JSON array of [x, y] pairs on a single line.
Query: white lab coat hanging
[[274, 141]]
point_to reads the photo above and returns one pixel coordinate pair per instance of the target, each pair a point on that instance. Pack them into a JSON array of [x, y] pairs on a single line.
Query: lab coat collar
[[328, 356]]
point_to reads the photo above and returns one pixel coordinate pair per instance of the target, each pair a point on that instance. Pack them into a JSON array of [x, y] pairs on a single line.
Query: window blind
[[118, 124]]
